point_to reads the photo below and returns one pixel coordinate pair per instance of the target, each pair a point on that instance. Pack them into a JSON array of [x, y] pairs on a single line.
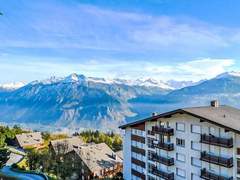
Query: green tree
[[2, 140], [4, 156], [113, 140]]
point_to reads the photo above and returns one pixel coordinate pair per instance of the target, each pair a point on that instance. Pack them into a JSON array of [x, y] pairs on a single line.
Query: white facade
[[187, 131], [127, 154]]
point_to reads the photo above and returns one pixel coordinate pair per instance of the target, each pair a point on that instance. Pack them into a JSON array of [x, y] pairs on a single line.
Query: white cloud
[[191, 70], [89, 27], [195, 70], [206, 67]]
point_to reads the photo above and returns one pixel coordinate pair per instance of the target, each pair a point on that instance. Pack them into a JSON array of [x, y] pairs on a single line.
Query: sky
[[160, 39]]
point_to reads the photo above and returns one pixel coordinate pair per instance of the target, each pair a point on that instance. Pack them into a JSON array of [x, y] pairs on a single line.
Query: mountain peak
[[74, 78], [228, 74]]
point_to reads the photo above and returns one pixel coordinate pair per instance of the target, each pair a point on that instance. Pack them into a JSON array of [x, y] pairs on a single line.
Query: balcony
[[138, 150], [211, 176], [138, 138], [217, 141], [151, 133], [162, 160], [138, 174], [163, 130], [138, 162], [164, 175], [221, 161], [164, 146]]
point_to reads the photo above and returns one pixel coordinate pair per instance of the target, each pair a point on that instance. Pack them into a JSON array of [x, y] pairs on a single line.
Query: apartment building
[[189, 143]]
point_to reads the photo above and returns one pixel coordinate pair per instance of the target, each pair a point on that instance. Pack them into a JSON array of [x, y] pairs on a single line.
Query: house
[[120, 154], [188, 143], [33, 139], [95, 161], [65, 145]]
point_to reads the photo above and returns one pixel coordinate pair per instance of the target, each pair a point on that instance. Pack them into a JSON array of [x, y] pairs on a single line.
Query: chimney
[[214, 103]]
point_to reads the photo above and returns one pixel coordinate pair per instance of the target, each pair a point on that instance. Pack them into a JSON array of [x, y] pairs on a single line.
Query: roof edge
[[175, 112]]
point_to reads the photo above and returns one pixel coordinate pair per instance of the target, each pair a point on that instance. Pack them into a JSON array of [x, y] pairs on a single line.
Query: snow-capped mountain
[[79, 101], [145, 82], [228, 75], [137, 82], [12, 86], [224, 87], [182, 84], [74, 101]]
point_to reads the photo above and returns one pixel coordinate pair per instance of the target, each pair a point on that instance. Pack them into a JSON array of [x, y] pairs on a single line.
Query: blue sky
[[163, 39]]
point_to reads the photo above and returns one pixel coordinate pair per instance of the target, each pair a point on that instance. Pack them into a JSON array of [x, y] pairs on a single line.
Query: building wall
[[127, 154], [78, 166], [188, 153]]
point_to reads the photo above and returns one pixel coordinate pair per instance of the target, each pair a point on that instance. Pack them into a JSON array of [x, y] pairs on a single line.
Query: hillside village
[[83, 155]]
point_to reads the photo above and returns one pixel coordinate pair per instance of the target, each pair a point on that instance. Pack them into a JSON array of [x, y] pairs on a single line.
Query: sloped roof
[[120, 154], [68, 144], [29, 139], [225, 116], [98, 156]]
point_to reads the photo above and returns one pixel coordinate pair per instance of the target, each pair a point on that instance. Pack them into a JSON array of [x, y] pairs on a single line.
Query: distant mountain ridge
[[74, 101], [147, 82], [77, 101], [224, 87]]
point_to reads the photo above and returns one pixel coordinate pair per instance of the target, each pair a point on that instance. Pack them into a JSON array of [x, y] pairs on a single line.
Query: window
[[180, 142], [238, 151], [196, 129], [213, 167], [180, 157], [195, 177], [138, 132], [195, 146], [196, 162], [211, 130], [151, 178], [180, 126], [138, 168], [134, 143], [134, 131], [181, 173], [212, 149], [135, 178], [238, 163]]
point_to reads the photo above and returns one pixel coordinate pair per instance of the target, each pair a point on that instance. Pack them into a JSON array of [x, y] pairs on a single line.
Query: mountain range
[[77, 101]]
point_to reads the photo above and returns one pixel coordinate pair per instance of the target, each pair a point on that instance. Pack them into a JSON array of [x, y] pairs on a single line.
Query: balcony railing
[[211, 176], [151, 133], [138, 150], [138, 174], [163, 160], [217, 141], [222, 161], [164, 175], [164, 146], [138, 162], [163, 130], [138, 138]]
